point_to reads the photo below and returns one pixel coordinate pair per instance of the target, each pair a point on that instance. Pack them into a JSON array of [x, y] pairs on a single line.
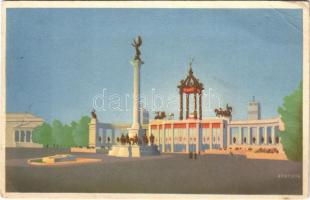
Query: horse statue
[[223, 113], [160, 115]]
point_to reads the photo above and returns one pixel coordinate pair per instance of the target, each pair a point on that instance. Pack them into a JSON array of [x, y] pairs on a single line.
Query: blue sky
[[58, 60]]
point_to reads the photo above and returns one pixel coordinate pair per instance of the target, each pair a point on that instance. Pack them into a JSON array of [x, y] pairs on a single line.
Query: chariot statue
[[224, 113]]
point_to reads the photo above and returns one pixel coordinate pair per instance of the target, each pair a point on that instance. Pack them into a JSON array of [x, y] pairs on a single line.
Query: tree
[[80, 132], [43, 135], [57, 133], [67, 139], [291, 115]]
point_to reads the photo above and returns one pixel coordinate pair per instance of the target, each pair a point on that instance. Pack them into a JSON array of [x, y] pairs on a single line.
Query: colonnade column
[[187, 138], [149, 133], [228, 136], [158, 132], [197, 138], [200, 106], [164, 138], [211, 136], [172, 140], [113, 136], [249, 135], [265, 135], [273, 138], [221, 135], [257, 135], [15, 138], [240, 141]]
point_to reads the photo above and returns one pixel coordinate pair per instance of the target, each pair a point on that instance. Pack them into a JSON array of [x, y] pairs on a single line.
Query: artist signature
[[289, 176]]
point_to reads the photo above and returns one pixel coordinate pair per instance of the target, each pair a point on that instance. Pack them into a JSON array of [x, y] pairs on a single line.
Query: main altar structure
[[195, 134], [190, 85]]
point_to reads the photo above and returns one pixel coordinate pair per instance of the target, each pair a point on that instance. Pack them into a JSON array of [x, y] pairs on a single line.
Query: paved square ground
[[167, 173]]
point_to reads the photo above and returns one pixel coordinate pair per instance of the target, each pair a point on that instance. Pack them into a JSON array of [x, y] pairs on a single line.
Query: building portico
[[254, 132], [188, 135]]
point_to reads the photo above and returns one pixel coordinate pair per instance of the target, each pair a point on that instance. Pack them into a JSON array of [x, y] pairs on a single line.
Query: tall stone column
[[136, 124]]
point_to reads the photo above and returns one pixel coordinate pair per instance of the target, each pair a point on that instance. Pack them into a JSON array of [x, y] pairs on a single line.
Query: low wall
[[250, 154], [268, 156], [82, 150]]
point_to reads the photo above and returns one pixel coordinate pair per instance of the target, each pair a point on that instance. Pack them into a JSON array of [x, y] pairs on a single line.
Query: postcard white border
[[160, 4]]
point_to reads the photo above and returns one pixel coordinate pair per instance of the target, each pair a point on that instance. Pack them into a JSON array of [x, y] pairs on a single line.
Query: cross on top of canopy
[[190, 84]]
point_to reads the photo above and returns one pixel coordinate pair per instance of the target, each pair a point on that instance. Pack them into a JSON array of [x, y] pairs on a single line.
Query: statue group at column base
[[128, 150], [134, 146]]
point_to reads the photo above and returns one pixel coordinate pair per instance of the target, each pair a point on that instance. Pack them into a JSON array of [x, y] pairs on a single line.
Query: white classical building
[[19, 127], [105, 134], [213, 133]]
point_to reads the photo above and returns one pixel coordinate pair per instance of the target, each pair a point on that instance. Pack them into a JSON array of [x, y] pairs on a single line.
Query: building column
[[187, 138], [19, 136], [240, 140], [222, 135], [257, 135], [273, 137], [158, 133], [228, 136], [211, 136], [200, 106], [113, 136], [195, 106], [164, 138], [181, 105], [149, 134], [265, 135], [187, 106], [172, 141], [249, 135], [197, 138]]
